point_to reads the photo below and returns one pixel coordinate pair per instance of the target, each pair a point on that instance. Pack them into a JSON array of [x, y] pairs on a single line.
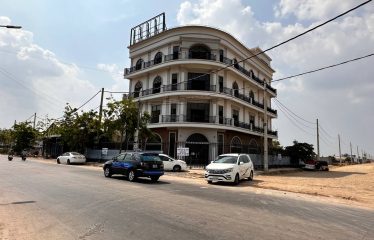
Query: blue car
[[134, 165]]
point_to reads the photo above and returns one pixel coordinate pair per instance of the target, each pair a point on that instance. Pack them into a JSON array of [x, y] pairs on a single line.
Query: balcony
[[273, 111], [212, 120]]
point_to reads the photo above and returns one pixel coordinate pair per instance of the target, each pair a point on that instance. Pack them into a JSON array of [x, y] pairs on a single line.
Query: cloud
[[336, 95], [313, 9], [33, 79]]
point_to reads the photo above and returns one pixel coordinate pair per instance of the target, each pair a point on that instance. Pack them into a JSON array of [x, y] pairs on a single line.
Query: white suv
[[231, 167]]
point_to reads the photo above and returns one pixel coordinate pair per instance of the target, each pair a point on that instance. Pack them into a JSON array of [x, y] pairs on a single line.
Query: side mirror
[[241, 163]]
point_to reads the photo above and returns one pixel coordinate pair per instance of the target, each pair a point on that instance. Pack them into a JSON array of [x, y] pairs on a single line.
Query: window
[[128, 157], [158, 58], [251, 95], [121, 157], [138, 87], [221, 55], [244, 159], [173, 112], [175, 52], [164, 158], [220, 144], [236, 64], [235, 116], [139, 64], [172, 143], [156, 85], [199, 51], [220, 83], [252, 120], [235, 87], [198, 81], [156, 111], [174, 81], [220, 114]]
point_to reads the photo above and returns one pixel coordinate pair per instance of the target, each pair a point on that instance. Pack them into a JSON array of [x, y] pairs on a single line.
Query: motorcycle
[[10, 157], [23, 157]]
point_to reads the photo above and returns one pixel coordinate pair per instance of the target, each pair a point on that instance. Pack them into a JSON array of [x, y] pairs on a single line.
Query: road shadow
[[141, 180], [242, 183], [320, 174], [16, 203]]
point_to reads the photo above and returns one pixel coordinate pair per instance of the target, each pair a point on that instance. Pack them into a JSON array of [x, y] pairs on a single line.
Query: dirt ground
[[352, 183]]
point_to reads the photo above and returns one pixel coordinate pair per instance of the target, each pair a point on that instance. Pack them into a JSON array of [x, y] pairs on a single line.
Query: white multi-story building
[[199, 92]]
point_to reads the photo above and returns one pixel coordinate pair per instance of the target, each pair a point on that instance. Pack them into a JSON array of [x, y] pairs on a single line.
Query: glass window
[[226, 159], [149, 157], [120, 157], [128, 157]]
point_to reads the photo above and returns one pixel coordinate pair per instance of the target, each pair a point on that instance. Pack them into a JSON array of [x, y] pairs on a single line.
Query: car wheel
[[155, 178], [236, 181], [58, 161], [177, 168], [131, 176], [68, 162], [250, 178], [107, 172]]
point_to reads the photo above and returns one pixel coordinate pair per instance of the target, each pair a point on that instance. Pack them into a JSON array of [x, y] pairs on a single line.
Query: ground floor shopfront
[[204, 144]]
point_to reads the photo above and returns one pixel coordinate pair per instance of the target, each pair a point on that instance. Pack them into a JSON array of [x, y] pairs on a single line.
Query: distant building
[[183, 78]]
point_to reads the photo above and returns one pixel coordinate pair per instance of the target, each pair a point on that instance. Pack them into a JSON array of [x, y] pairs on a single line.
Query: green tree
[[24, 136], [276, 148], [300, 151], [121, 118], [6, 139], [78, 130]]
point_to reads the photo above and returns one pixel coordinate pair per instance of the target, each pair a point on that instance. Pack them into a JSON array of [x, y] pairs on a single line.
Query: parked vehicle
[[316, 165], [171, 164], [231, 167], [134, 165], [71, 157]]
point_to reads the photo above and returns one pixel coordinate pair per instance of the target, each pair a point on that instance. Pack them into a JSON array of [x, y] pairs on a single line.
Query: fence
[[192, 161]]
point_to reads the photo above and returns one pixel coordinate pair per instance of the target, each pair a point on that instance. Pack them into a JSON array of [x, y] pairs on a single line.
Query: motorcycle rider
[[10, 154]]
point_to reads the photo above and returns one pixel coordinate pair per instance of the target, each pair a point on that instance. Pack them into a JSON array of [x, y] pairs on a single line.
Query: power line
[[323, 130], [323, 68], [286, 41], [292, 121], [294, 113], [87, 101]]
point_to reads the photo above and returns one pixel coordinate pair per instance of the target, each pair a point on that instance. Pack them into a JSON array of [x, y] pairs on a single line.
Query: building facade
[[201, 94]]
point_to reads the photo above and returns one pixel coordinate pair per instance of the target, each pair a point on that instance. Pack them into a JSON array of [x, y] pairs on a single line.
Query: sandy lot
[[354, 182]]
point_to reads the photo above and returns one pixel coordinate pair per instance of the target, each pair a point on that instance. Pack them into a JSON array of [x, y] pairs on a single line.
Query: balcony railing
[[274, 111], [212, 120]]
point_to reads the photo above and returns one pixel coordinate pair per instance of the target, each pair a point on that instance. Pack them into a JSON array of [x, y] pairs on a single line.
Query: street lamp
[[11, 26]]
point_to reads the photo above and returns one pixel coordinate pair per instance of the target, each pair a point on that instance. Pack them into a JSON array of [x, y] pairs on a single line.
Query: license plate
[[154, 165], [215, 178]]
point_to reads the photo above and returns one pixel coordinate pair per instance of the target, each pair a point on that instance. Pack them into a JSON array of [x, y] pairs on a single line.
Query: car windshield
[[149, 157], [226, 159]]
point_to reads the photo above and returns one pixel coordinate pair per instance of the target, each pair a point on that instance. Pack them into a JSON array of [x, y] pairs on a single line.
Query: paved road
[[47, 201]]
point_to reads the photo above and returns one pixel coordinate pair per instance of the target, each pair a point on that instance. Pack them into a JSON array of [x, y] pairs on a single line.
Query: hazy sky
[[68, 50]]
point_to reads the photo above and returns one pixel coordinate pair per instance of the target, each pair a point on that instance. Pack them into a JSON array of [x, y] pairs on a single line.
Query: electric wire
[[286, 41], [323, 68], [292, 121], [277, 100]]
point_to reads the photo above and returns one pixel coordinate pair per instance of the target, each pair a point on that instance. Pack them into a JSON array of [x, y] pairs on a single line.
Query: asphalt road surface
[[48, 201]]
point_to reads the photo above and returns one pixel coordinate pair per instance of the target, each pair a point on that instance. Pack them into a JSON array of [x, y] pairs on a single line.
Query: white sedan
[[171, 164], [71, 157]]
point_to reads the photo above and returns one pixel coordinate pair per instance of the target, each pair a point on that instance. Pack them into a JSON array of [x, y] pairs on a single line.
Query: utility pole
[[101, 107], [100, 114], [317, 141], [350, 143], [340, 151], [358, 154], [34, 121], [136, 135], [266, 157]]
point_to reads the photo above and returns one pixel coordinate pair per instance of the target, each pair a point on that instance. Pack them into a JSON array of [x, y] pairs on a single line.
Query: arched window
[[253, 146], [154, 143], [199, 51], [236, 64], [236, 145], [158, 58], [138, 87], [156, 85], [235, 89], [139, 64]]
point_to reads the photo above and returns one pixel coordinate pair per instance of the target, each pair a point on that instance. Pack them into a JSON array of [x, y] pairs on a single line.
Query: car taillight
[[142, 164]]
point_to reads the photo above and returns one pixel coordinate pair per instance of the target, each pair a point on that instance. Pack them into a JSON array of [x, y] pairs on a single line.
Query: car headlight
[[228, 170]]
